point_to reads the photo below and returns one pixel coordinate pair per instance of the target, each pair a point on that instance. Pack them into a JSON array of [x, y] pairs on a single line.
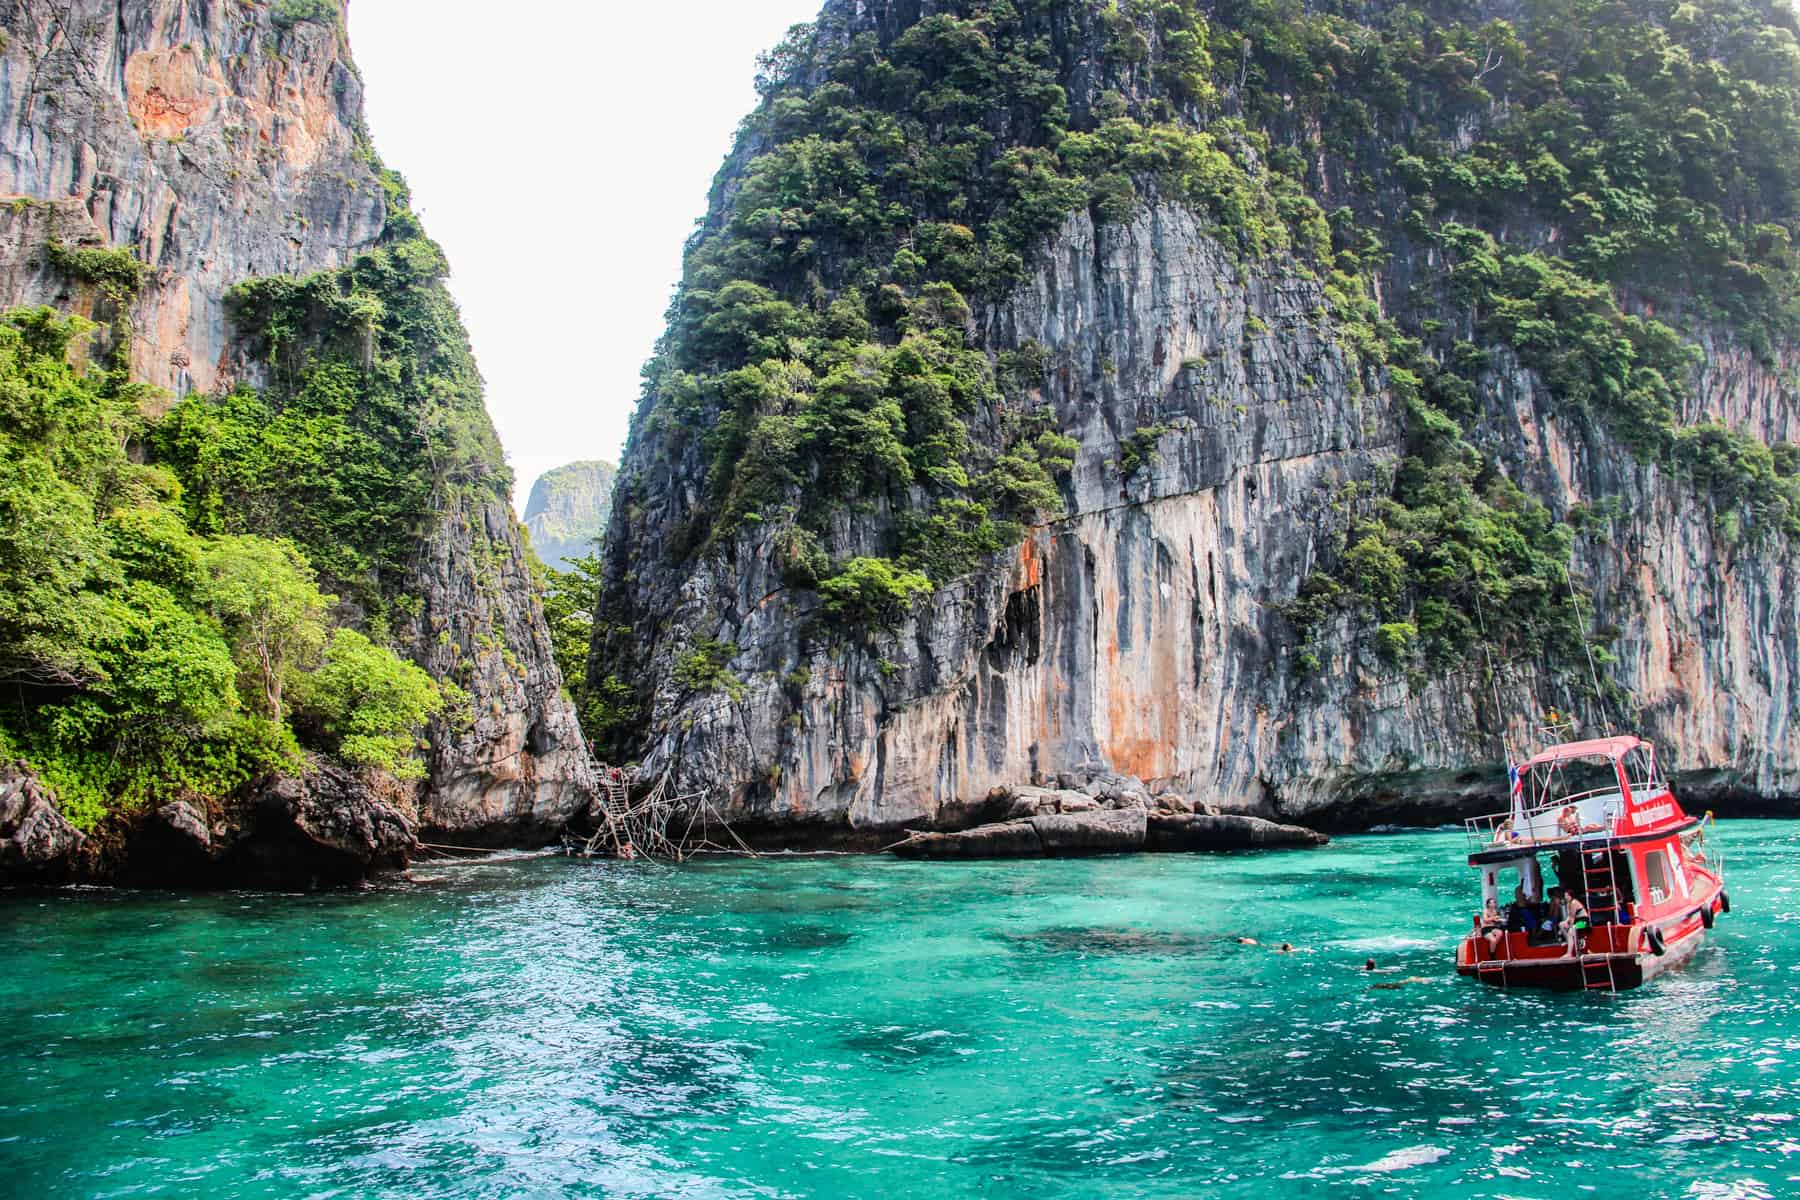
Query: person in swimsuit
[[1575, 922], [1493, 927]]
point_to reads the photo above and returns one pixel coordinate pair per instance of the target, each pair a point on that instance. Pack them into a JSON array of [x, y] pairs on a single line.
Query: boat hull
[[1616, 958]]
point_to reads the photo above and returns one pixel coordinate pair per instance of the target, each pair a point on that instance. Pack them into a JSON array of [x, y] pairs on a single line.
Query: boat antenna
[[1515, 788], [1487, 653], [1586, 646]]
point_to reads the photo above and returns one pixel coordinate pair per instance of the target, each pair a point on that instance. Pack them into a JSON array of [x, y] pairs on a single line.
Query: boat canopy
[[1606, 787], [1612, 748]]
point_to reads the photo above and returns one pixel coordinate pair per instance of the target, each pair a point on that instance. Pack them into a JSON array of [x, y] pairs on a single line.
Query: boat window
[[1678, 875], [1656, 875], [1639, 765], [1553, 781]]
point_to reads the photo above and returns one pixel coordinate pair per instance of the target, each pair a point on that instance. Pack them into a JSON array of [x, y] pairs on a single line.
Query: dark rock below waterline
[[325, 827], [1117, 831], [36, 844], [1005, 839]]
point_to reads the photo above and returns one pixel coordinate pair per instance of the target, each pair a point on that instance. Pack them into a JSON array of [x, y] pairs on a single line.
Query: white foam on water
[[1389, 942], [1739, 1189], [1396, 1160], [1403, 1160]]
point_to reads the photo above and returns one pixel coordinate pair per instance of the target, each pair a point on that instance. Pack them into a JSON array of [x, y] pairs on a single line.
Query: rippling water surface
[[864, 1027]]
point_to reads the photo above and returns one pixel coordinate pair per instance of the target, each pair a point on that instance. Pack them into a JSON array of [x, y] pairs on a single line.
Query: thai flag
[[1513, 777]]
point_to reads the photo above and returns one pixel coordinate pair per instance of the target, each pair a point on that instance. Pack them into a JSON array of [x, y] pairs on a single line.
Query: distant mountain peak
[[569, 508]]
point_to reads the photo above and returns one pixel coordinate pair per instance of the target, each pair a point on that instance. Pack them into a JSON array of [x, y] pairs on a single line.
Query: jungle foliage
[[371, 419], [822, 350], [1632, 164], [147, 657]]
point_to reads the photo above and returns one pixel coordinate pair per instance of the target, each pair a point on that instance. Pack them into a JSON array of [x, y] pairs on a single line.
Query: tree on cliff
[[266, 596]]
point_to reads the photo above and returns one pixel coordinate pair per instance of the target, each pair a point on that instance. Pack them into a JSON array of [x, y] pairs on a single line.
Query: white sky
[[560, 151]]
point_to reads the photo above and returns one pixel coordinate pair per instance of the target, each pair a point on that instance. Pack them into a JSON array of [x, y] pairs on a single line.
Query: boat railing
[[1539, 821]]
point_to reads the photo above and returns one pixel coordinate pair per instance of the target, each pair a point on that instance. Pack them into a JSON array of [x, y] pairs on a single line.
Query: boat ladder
[[1601, 883]]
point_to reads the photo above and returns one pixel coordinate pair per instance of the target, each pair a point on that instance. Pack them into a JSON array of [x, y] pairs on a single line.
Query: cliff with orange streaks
[[1231, 434]]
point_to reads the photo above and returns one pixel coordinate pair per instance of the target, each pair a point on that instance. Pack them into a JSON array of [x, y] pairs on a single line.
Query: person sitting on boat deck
[[1568, 823], [1493, 926], [1550, 922], [1575, 922], [1522, 914]]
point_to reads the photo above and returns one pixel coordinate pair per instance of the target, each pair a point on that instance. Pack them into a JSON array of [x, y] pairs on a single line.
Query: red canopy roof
[[1606, 747]]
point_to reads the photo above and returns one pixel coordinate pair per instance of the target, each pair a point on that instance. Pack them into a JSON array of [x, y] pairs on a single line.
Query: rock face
[[1061, 824], [1143, 629], [520, 772], [215, 144], [1234, 831], [322, 828], [569, 508], [319, 830], [36, 843], [219, 142]]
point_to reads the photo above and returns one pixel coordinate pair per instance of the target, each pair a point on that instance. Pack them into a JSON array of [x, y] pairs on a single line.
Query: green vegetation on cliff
[[145, 659], [822, 350], [1588, 189], [1546, 186], [189, 600], [372, 415]]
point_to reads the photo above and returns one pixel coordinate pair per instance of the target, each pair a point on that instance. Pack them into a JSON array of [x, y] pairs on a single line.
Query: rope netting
[[657, 823]]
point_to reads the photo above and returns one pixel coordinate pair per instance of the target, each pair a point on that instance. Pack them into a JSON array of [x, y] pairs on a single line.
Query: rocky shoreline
[[1111, 814], [323, 828], [327, 827]]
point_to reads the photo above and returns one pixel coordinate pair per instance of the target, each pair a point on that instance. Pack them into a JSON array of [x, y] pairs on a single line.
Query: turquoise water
[[865, 1027]]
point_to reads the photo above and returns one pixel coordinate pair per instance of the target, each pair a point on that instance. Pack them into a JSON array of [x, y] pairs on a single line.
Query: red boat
[[1635, 890]]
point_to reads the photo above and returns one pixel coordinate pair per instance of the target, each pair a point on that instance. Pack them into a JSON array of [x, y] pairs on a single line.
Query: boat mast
[[1586, 647]]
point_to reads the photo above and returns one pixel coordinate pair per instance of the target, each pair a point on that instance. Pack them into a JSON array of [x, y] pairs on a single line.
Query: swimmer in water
[[1400, 983], [1369, 965], [1286, 949], [1248, 941]]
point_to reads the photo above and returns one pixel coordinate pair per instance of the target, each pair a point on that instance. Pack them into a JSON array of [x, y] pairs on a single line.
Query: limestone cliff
[[568, 510], [220, 142], [1234, 432]]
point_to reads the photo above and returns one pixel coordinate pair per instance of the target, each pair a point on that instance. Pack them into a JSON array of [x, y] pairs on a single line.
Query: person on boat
[[1576, 921], [1568, 821], [1551, 922], [1493, 926], [1522, 915]]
